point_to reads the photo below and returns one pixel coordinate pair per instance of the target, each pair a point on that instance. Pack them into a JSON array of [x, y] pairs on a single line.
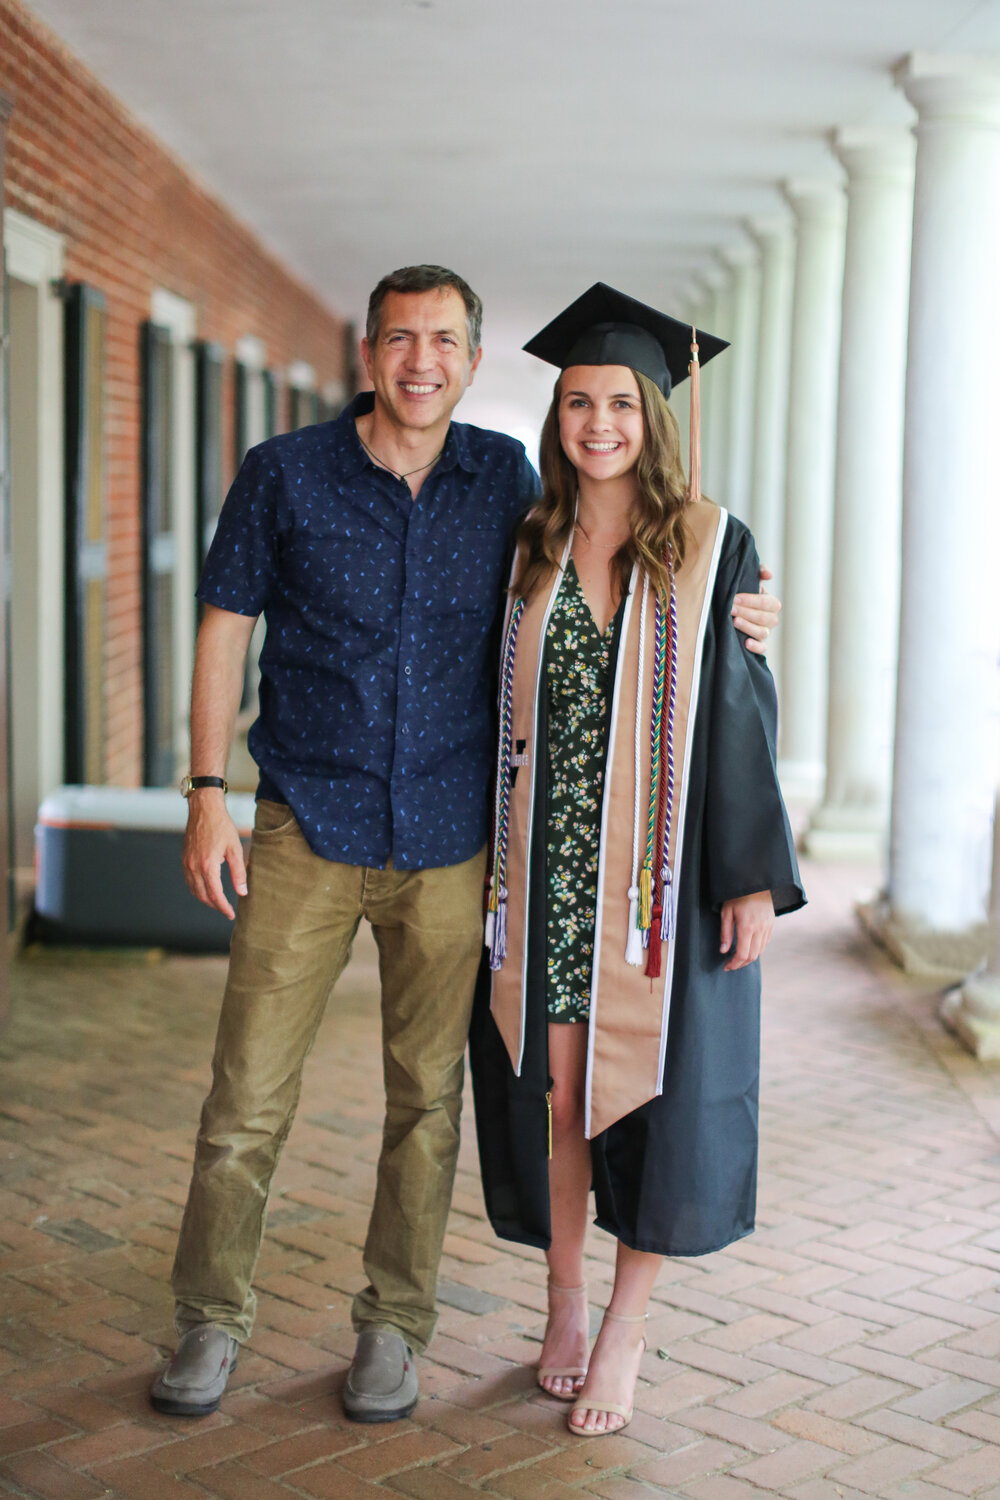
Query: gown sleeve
[[748, 840]]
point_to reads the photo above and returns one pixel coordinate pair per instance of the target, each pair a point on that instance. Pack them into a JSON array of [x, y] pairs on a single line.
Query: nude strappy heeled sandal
[[567, 1372], [596, 1403]]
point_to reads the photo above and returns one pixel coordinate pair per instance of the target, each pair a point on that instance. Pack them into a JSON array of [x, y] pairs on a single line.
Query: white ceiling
[[534, 145]]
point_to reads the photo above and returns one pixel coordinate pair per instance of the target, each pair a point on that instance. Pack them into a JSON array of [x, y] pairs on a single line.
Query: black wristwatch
[[195, 783]]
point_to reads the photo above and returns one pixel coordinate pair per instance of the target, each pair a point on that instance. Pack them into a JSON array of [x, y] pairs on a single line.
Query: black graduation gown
[[676, 1176]]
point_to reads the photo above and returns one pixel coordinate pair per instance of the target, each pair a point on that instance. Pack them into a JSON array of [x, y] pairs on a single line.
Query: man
[[376, 546]]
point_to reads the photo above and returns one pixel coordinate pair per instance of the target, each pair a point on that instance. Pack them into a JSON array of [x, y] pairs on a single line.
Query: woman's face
[[600, 420]]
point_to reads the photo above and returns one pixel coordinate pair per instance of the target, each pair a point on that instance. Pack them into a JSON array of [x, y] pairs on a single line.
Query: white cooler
[[108, 870]]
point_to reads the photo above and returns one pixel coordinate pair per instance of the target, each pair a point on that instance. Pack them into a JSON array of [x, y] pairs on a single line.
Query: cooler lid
[[155, 809]]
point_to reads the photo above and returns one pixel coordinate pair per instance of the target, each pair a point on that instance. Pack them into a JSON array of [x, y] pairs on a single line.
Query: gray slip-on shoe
[[191, 1385], [381, 1384]]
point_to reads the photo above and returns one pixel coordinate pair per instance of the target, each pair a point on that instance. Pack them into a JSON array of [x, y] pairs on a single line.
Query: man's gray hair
[[426, 279]]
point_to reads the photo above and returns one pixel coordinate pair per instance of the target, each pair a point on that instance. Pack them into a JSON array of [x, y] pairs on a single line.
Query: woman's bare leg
[[566, 1343], [614, 1364]]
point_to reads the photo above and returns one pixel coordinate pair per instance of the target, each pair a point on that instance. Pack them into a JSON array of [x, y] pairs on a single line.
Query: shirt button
[[404, 730], [407, 670]]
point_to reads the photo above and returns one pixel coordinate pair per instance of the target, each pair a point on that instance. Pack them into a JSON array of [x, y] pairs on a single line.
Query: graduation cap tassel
[[694, 463]]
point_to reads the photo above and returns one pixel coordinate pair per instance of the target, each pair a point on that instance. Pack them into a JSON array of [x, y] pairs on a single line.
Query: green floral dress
[[576, 677]]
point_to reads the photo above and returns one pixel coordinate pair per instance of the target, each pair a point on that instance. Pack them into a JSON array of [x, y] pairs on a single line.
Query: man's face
[[420, 364]]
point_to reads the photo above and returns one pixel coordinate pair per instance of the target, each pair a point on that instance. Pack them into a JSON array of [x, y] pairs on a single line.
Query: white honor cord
[[634, 951]]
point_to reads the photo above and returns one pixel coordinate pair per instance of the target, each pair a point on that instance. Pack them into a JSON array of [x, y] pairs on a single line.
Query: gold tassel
[[694, 465], [646, 896]]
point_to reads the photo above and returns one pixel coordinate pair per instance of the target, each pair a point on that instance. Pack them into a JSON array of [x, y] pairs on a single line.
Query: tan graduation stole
[[630, 1000]]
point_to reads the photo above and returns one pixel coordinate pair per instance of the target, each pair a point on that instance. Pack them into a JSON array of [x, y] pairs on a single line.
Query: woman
[[641, 850]]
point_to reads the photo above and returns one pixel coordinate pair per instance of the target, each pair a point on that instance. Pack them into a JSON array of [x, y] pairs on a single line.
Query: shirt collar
[[351, 455]]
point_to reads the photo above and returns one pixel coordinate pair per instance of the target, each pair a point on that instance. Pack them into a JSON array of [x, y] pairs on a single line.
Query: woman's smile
[[600, 420]]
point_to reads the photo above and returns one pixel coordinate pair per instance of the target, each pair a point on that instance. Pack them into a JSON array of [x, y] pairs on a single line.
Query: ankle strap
[[567, 1289], [621, 1318]]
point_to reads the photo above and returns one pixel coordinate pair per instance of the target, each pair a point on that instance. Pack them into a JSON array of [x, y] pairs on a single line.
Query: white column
[[819, 209], [715, 380], [743, 263], [864, 608], [767, 467], [946, 751], [973, 1010]]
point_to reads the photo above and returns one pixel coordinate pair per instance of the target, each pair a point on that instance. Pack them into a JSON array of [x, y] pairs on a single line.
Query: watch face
[[186, 786]]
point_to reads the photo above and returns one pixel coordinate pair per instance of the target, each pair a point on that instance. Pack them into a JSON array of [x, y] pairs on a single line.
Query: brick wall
[[134, 219]]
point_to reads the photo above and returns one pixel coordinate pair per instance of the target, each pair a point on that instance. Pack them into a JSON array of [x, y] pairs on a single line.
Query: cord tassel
[[646, 896], [668, 922], [653, 952], [633, 943], [498, 936]]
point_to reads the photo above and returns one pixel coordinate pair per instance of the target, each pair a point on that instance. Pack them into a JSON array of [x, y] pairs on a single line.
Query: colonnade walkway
[[850, 1348]]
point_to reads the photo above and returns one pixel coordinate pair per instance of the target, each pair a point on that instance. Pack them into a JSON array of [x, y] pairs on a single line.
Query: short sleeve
[[748, 840], [241, 567]]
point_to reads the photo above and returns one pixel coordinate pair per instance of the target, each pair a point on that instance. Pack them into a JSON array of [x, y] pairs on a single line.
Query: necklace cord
[[388, 467]]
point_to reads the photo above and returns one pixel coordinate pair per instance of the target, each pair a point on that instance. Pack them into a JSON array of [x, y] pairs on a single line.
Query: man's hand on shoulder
[[756, 615], [210, 841]]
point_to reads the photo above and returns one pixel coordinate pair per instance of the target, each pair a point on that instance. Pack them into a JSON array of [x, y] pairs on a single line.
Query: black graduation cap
[[605, 327]]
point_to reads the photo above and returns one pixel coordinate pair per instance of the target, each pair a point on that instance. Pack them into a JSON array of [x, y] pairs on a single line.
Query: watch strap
[[195, 783]]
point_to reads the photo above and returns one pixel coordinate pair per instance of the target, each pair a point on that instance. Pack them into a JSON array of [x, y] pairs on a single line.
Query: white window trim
[[301, 377], [250, 351], [334, 394], [37, 255]]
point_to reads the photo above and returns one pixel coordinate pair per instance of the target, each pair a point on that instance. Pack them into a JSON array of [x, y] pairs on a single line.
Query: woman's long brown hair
[[657, 521]]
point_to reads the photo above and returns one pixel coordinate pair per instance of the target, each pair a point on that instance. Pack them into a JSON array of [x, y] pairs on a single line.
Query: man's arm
[[212, 837], [756, 615]]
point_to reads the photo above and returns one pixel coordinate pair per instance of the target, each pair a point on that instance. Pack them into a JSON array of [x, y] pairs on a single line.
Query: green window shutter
[[208, 444], [86, 535], [241, 438], [159, 556], [271, 422]]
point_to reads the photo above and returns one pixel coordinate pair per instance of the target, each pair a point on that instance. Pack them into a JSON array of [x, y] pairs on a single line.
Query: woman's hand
[[751, 918]]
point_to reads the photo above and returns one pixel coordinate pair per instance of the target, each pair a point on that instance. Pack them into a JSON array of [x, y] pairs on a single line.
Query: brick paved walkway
[[850, 1348]]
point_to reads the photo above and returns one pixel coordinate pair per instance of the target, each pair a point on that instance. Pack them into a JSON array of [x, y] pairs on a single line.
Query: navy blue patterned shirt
[[375, 718]]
